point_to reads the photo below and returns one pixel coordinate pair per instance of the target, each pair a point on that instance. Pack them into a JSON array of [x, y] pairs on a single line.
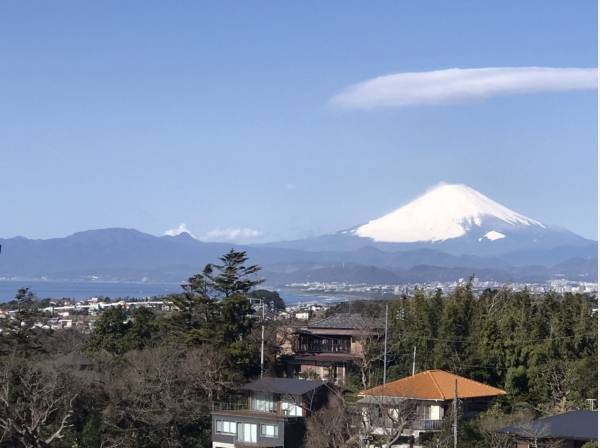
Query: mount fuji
[[458, 220], [450, 231], [445, 213]]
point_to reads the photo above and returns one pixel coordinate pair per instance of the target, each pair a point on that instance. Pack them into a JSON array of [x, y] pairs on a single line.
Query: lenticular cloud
[[458, 85]]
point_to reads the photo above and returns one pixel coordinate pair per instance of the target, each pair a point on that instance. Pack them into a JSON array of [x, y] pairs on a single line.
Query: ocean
[[44, 289]]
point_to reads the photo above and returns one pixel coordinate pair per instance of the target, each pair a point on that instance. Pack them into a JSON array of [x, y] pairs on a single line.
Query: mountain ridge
[[448, 230], [131, 255]]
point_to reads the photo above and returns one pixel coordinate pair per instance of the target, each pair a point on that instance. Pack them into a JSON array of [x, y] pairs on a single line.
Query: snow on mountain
[[492, 235], [447, 211]]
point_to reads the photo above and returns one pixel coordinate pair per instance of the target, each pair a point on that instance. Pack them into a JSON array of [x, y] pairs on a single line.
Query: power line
[[463, 341]]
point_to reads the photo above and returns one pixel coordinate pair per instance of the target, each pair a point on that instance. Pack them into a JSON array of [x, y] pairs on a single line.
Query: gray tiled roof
[[291, 386], [576, 425], [349, 321]]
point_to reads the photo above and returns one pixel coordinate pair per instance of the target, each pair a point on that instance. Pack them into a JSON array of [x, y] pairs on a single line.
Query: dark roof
[[576, 425], [347, 320], [289, 386]]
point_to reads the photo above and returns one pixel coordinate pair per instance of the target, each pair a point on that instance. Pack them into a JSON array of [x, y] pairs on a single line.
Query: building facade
[[326, 348], [413, 408], [271, 414]]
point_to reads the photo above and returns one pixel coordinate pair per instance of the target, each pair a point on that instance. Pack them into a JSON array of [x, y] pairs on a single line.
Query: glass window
[[247, 432], [226, 427], [288, 407], [269, 430], [263, 402], [435, 412]]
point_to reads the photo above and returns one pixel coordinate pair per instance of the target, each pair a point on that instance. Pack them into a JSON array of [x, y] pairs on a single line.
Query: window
[[435, 412], [247, 432], [226, 427], [269, 430], [288, 407], [263, 403]]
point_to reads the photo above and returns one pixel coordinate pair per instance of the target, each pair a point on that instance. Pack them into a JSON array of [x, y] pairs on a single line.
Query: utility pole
[[262, 340], [455, 414], [414, 359], [385, 346]]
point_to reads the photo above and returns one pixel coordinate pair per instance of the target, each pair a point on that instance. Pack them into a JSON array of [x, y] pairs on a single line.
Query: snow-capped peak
[[492, 235], [444, 212]]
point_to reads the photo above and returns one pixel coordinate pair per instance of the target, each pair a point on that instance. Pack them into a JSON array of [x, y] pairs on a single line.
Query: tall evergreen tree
[[232, 277], [111, 332], [454, 349], [17, 332]]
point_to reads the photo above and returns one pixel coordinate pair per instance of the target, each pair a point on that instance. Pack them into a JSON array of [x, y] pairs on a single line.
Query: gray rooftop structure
[[290, 386], [348, 321], [575, 425]]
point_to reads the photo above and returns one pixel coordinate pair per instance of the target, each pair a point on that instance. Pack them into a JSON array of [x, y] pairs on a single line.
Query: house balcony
[[426, 425], [314, 344], [243, 409]]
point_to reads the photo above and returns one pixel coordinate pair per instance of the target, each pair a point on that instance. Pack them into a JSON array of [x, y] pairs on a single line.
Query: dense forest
[[541, 349], [144, 378]]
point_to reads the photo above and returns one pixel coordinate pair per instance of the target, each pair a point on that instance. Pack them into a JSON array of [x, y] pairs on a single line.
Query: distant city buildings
[[80, 315], [354, 291]]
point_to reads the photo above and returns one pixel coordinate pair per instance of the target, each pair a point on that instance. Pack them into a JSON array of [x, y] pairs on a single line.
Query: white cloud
[[457, 85], [238, 235], [182, 228], [290, 187]]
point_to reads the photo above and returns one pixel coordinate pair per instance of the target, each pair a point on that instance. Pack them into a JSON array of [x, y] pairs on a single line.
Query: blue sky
[[219, 115]]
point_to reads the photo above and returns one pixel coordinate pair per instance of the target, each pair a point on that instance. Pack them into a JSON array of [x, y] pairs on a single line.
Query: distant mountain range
[[451, 231]]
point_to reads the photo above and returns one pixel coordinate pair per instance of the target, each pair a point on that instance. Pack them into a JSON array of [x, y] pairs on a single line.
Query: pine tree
[[17, 332], [231, 277], [111, 332]]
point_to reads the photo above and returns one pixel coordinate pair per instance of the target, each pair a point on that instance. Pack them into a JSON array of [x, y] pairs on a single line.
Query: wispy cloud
[[234, 235], [182, 228], [458, 85]]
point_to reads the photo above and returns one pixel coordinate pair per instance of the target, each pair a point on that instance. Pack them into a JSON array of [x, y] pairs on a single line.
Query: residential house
[[272, 413], [570, 430], [303, 315], [327, 347], [412, 408]]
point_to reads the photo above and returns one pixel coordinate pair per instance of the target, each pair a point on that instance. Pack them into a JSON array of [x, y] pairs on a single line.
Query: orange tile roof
[[433, 385]]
